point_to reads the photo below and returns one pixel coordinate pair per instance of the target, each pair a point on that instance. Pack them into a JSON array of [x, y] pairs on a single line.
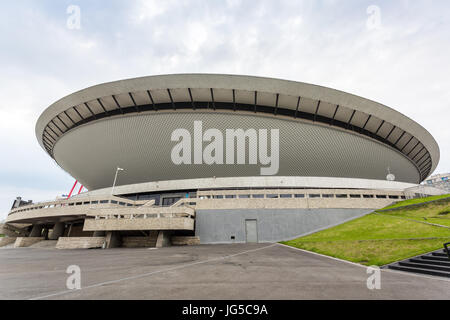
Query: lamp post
[[115, 179]]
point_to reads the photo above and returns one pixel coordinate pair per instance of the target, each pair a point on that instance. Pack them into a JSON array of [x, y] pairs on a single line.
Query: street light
[[115, 179]]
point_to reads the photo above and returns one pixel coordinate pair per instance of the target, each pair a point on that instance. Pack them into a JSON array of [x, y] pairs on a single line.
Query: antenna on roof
[[390, 176]]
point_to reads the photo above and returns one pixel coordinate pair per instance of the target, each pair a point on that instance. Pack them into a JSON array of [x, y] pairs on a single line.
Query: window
[[94, 202], [367, 196], [218, 196], [114, 201], [170, 201], [144, 197], [122, 203], [104, 201], [314, 195], [272, 196], [328, 195], [341, 196], [230, 196], [381, 196], [285, 195], [355, 196], [299, 195], [259, 196], [393, 197], [244, 196]]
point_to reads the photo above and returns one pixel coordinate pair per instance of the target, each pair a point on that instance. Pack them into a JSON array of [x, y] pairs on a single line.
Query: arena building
[[220, 159]]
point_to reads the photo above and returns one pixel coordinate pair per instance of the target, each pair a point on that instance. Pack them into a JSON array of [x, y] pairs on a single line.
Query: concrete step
[[22, 242], [80, 242], [139, 242], [434, 258], [439, 254], [432, 262], [420, 270], [424, 266], [46, 244]]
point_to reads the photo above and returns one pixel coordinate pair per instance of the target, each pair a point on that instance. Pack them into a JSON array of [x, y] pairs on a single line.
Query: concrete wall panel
[[218, 226]]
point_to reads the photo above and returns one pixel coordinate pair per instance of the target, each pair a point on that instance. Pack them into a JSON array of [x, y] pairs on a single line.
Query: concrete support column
[[163, 239], [113, 239], [58, 231], [99, 234], [36, 231]]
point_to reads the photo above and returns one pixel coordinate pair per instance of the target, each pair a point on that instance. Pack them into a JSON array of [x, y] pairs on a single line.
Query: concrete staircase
[[80, 242], [45, 244], [23, 242], [14, 230], [436, 263], [141, 242]]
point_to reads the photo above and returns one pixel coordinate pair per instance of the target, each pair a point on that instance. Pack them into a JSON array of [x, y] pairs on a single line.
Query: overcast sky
[[394, 52]]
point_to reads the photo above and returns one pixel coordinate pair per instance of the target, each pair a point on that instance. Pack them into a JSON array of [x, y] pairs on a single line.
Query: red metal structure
[[73, 188]]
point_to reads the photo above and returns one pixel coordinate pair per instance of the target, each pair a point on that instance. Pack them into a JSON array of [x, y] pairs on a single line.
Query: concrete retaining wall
[[26, 242], [273, 225], [80, 242]]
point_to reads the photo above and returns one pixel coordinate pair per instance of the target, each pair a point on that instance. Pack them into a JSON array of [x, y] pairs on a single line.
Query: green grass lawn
[[415, 201], [379, 239], [433, 213]]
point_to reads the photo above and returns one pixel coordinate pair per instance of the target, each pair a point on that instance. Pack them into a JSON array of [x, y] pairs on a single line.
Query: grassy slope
[[433, 213], [418, 200], [381, 239]]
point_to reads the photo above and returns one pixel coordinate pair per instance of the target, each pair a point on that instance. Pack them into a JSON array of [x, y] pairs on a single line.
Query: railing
[[114, 201], [110, 207], [132, 216], [446, 249], [143, 212], [91, 201]]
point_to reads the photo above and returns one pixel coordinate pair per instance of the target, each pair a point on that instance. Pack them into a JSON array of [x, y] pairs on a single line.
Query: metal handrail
[[446, 249]]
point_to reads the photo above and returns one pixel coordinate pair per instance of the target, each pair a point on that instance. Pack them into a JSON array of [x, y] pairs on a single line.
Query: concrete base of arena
[[267, 225]]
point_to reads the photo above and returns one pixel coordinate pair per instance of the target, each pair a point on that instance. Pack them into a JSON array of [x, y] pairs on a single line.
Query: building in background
[[441, 181]]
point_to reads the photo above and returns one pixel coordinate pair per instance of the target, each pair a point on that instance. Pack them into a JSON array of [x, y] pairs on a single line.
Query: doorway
[[251, 231]]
